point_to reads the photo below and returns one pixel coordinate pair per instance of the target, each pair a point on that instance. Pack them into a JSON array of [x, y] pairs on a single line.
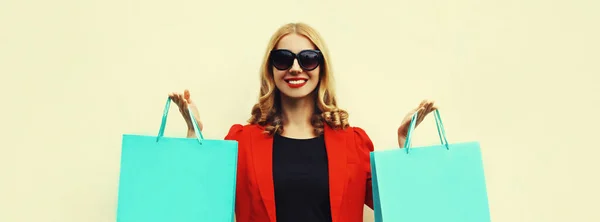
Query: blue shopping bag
[[168, 179], [437, 183]]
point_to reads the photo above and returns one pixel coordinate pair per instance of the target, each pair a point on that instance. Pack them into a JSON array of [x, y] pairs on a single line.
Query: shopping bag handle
[[439, 125], [161, 132]]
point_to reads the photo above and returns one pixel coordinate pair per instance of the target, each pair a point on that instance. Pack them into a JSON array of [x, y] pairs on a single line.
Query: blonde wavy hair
[[267, 112]]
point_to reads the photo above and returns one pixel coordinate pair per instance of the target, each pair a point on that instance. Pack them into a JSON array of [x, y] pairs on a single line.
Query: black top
[[301, 180]]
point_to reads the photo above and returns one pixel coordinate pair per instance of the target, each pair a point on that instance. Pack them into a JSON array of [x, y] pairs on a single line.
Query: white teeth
[[297, 81]]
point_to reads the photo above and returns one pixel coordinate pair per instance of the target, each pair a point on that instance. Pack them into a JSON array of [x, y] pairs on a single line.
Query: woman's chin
[[295, 94]]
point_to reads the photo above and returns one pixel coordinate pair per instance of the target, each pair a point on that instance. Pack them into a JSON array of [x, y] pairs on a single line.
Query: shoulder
[[237, 131], [355, 135], [359, 145], [361, 138]]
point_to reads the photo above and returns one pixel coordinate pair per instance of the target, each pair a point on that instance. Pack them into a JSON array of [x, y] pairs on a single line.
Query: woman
[[299, 160]]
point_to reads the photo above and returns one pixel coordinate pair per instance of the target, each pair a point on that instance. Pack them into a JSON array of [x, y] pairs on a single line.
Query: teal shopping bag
[[168, 179], [440, 183]]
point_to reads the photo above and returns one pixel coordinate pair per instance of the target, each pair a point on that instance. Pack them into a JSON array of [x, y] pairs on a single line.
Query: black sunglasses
[[283, 59]]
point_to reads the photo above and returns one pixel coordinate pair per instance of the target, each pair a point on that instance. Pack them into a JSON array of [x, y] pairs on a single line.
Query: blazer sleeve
[[235, 133], [365, 147]]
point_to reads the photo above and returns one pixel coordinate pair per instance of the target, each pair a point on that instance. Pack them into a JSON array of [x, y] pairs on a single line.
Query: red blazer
[[349, 173]]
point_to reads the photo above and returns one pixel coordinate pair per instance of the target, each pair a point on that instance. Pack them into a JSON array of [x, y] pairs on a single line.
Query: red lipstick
[[296, 82]]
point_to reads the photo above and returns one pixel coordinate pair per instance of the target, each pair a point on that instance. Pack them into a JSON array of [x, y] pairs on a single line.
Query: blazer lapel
[[335, 142], [262, 155]]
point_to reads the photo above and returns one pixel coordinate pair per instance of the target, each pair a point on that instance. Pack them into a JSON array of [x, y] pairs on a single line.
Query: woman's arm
[[365, 146], [401, 140]]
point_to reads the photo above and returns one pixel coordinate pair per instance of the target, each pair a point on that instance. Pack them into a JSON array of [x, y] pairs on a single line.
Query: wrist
[[402, 131], [191, 133], [401, 141]]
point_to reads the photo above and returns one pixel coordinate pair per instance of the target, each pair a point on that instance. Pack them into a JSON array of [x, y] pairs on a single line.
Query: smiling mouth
[[295, 81]]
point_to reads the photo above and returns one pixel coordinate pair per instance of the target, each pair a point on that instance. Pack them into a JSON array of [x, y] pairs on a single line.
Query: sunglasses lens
[[282, 59], [309, 59]]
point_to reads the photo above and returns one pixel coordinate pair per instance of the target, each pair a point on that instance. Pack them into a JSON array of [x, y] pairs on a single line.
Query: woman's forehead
[[295, 43]]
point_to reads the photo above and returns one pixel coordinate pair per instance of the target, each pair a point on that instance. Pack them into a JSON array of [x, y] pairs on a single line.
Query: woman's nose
[[295, 67]]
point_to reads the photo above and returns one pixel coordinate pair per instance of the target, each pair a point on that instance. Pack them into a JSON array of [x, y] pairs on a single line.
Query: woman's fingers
[[181, 102], [178, 98], [175, 97], [428, 107], [424, 108], [420, 115], [433, 107], [187, 96]]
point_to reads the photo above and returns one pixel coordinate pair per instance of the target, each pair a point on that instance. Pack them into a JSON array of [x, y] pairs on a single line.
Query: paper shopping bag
[[430, 184], [168, 179]]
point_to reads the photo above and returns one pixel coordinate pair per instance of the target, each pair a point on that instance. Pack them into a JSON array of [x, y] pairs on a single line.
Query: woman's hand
[[423, 109], [184, 101]]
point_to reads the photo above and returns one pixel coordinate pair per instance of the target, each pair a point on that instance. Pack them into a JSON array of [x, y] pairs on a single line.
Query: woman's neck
[[297, 115]]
